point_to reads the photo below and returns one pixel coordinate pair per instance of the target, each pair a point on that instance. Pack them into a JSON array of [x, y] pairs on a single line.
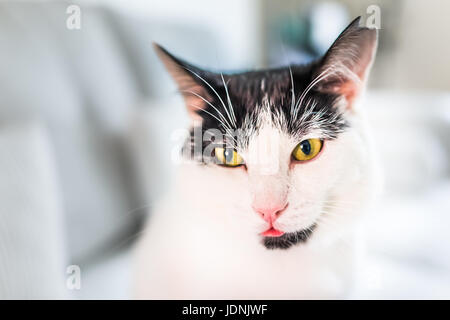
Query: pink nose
[[270, 213]]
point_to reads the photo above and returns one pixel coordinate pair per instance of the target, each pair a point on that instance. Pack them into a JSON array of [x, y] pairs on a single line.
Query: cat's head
[[281, 150]]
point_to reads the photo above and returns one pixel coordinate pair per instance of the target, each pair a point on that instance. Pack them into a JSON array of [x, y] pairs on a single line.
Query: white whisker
[[209, 103], [210, 86], [220, 121], [293, 92], [230, 105]]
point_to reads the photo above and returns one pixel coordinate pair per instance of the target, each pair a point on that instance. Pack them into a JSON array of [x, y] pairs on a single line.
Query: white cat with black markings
[[278, 172]]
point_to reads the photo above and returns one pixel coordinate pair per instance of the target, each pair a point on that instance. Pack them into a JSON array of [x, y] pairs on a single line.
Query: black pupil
[[306, 147], [228, 153]]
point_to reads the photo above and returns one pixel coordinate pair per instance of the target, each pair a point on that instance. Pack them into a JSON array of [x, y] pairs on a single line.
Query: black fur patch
[[273, 88], [288, 240]]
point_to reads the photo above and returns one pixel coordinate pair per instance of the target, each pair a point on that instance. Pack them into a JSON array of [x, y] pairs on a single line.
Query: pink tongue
[[272, 233]]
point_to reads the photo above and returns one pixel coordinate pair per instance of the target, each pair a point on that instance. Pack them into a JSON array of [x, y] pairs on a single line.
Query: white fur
[[203, 240]]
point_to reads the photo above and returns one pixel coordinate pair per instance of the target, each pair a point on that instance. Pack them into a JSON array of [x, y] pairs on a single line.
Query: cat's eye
[[228, 157], [307, 149]]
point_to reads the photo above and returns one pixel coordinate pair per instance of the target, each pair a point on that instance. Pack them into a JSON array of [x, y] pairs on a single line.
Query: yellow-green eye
[[228, 157], [307, 149]]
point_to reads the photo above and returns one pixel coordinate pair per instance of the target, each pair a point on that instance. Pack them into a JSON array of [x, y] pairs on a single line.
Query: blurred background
[[89, 121]]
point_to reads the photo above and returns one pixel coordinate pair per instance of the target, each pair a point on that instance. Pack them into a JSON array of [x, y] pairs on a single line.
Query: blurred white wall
[[418, 36], [236, 24], [421, 60]]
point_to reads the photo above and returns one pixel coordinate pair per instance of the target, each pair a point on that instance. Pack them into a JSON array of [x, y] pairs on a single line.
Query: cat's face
[[278, 148]]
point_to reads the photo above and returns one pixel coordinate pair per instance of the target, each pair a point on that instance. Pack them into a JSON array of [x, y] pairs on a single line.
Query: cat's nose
[[270, 212]]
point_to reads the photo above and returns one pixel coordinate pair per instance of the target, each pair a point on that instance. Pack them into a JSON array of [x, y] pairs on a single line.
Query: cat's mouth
[[276, 239], [272, 232]]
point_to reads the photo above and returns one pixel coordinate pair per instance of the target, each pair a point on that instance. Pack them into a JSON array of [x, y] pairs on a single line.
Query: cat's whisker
[[209, 103], [334, 201], [334, 206], [130, 238], [209, 85], [316, 80], [212, 115], [293, 91], [336, 210], [332, 226], [230, 105], [230, 135]]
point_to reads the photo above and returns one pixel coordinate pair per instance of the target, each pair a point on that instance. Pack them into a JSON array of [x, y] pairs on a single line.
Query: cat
[[267, 204]]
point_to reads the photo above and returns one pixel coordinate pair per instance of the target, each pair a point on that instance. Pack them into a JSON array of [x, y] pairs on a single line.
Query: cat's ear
[[191, 81], [345, 66]]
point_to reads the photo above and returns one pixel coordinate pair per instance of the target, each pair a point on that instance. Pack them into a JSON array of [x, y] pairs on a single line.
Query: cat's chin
[[288, 239]]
